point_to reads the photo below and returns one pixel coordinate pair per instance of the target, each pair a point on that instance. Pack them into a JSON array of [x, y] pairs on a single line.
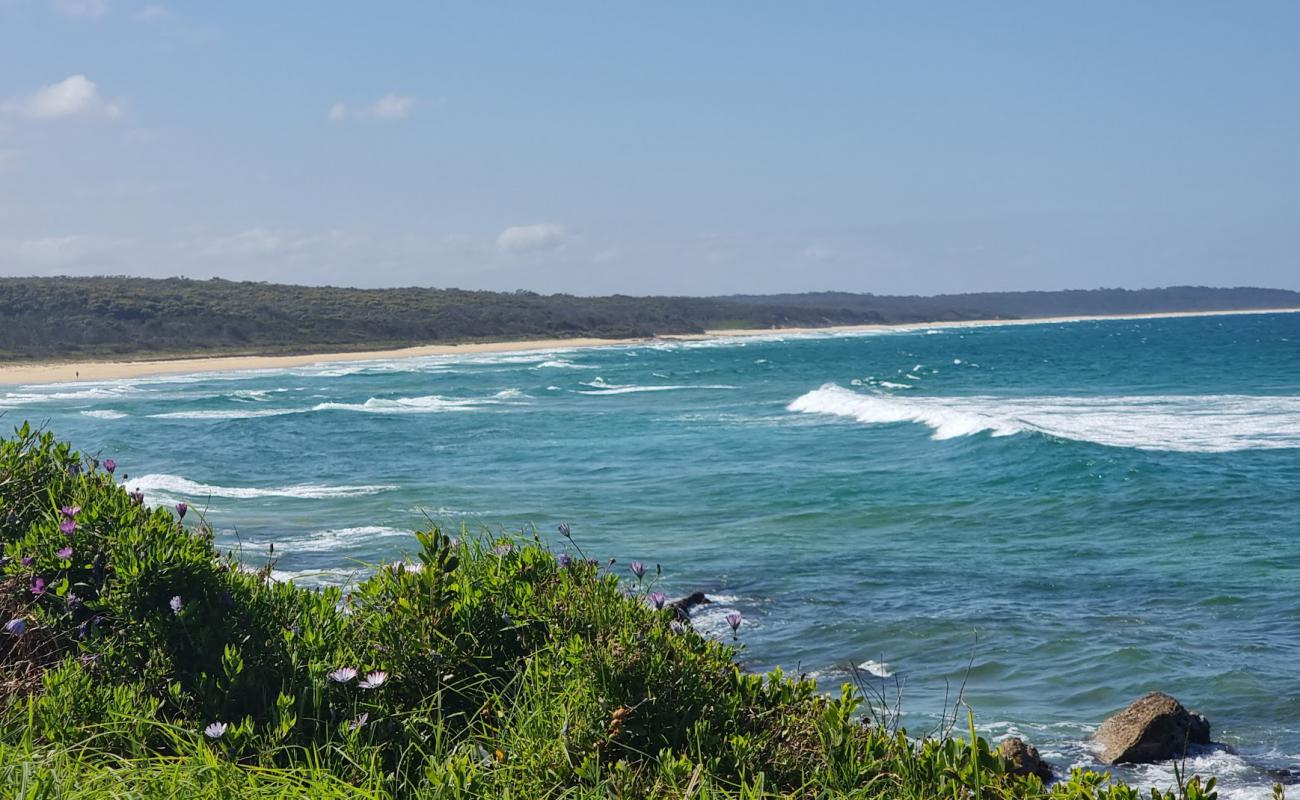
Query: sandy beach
[[57, 372]]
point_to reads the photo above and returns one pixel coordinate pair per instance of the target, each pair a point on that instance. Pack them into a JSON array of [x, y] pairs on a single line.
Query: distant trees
[[120, 316]]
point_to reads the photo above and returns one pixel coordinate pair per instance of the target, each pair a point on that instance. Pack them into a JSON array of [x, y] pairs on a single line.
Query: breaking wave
[[163, 486], [227, 413], [600, 387], [104, 413], [335, 539], [1179, 423], [428, 404]]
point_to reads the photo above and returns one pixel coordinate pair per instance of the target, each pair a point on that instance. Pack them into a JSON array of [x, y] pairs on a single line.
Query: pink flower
[[64, 553], [343, 675], [38, 586], [373, 681], [68, 526], [110, 465]]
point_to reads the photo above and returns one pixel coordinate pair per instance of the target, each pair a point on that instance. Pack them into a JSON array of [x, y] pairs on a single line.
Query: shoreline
[[98, 370]]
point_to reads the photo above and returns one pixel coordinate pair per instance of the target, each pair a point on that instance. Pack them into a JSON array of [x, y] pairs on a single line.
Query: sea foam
[[161, 486], [1180, 423]]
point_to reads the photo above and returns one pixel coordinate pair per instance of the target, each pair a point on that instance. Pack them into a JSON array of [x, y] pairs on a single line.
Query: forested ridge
[[65, 318]]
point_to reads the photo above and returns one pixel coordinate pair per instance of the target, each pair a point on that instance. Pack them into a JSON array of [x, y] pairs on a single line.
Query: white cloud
[[287, 245], [387, 108], [82, 9], [153, 15], [75, 96], [526, 238]]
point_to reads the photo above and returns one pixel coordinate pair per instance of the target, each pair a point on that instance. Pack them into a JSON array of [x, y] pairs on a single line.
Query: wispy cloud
[[82, 9], [153, 15], [75, 96], [528, 238], [389, 108]]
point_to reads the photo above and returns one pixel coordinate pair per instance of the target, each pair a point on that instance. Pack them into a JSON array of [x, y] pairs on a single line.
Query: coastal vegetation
[[72, 318], [138, 661]]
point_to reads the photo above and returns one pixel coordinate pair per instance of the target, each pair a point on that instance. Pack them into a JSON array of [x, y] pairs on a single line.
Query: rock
[[1024, 759], [682, 608], [1155, 727]]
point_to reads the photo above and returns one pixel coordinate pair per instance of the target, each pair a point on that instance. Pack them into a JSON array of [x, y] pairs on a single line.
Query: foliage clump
[[136, 660]]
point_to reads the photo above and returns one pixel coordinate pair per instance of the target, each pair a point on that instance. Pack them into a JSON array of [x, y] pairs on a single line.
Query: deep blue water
[[1081, 512]]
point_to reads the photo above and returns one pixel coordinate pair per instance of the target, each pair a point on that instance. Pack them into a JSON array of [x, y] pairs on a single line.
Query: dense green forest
[[68, 318]]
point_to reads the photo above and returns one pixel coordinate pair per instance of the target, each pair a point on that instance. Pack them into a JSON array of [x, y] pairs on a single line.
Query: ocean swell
[[1178, 423]]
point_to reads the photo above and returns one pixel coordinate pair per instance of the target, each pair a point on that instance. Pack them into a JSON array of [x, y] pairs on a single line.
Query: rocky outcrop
[[1155, 727], [1024, 759]]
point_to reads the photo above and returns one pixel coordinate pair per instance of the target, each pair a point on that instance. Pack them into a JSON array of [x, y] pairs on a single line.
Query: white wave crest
[[878, 668], [227, 413], [96, 392], [562, 363], [335, 539], [163, 486], [428, 404], [636, 389], [1179, 423], [104, 413]]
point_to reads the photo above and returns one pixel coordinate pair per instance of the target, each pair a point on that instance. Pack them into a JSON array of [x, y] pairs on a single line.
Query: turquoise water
[[1080, 512]]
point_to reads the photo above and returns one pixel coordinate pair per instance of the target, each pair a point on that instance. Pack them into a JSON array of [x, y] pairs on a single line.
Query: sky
[[665, 147]]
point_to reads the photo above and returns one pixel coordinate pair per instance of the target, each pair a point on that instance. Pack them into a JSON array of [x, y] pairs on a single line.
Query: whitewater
[[1061, 517]]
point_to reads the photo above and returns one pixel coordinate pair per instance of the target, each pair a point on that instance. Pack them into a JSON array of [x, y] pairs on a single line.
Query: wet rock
[[682, 608], [1155, 727], [1024, 759]]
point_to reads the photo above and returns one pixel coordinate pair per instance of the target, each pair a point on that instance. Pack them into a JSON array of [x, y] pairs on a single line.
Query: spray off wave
[[1178, 423]]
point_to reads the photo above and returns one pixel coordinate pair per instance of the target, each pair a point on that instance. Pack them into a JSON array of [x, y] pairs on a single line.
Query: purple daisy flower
[[564, 559], [38, 586], [68, 526], [343, 674], [677, 627], [658, 599], [638, 569], [359, 721], [215, 731], [181, 508], [70, 511], [27, 560], [373, 680], [64, 553], [503, 549], [734, 619], [175, 604], [16, 626], [110, 465], [565, 530]]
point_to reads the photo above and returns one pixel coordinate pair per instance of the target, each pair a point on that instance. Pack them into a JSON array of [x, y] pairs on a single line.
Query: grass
[[145, 664]]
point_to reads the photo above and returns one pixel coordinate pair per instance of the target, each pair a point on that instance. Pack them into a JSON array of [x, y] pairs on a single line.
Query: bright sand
[[54, 372]]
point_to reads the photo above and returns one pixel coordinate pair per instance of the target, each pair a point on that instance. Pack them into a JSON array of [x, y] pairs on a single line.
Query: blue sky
[[654, 148]]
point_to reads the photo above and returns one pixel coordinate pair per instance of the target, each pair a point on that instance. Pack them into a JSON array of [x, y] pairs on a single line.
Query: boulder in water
[[1155, 727], [1024, 758]]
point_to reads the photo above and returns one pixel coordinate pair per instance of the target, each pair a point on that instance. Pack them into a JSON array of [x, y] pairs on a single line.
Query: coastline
[[99, 370]]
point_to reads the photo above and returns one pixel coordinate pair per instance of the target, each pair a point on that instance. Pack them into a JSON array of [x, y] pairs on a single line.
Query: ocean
[[1047, 519]]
